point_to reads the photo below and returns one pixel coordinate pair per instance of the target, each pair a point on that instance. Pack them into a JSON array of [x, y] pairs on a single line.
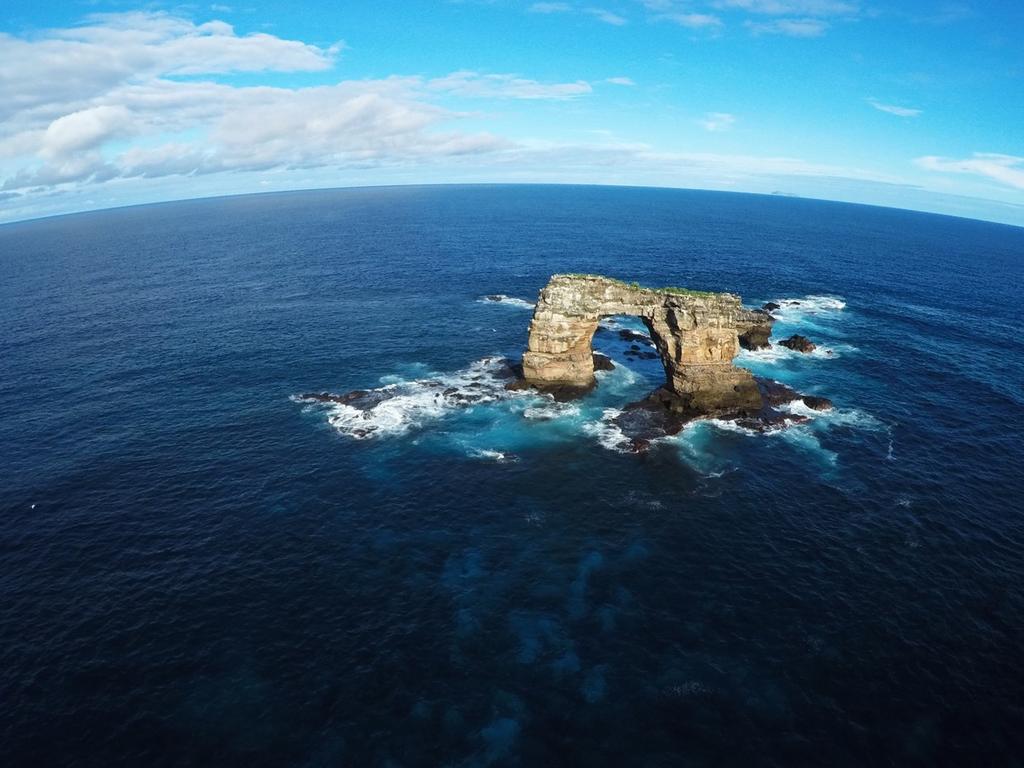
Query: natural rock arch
[[695, 333]]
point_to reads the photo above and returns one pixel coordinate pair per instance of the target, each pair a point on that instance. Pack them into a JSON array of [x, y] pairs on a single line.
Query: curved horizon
[[483, 184], [912, 108]]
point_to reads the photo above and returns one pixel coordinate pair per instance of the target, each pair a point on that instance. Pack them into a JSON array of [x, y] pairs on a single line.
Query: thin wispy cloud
[[693, 20], [600, 14], [802, 18], [789, 27], [1005, 169], [792, 7], [620, 81], [503, 86], [606, 16], [893, 109], [680, 13], [549, 8], [718, 121]]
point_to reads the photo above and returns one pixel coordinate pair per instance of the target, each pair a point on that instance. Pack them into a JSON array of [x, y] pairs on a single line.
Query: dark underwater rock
[[817, 403], [327, 397], [603, 362], [627, 335], [771, 306], [755, 330], [775, 392], [755, 338], [799, 343], [560, 392], [639, 445]]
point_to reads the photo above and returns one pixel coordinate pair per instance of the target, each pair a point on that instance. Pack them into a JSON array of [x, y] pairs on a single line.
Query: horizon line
[[775, 194]]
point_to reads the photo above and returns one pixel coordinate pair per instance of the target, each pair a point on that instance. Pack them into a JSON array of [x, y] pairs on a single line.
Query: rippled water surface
[[198, 569]]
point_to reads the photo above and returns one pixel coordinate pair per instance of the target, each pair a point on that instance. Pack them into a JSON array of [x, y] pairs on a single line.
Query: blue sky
[[916, 104]]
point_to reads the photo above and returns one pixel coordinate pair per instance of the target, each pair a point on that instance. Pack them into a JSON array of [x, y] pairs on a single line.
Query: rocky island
[[695, 333]]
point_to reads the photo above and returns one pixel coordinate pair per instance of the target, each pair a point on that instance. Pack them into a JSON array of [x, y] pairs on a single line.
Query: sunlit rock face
[[695, 333]]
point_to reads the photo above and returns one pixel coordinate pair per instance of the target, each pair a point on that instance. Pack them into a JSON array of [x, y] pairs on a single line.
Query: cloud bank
[[134, 95]]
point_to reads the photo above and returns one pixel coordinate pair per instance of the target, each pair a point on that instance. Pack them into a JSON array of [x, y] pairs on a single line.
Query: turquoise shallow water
[[199, 570]]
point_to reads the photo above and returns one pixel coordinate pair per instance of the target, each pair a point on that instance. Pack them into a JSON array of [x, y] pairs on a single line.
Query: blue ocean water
[[196, 569]]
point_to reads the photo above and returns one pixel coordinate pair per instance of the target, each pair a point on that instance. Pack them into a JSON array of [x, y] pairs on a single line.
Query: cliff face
[[696, 335]]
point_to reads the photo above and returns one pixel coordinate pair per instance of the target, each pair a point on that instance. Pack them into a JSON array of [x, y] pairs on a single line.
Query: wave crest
[[508, 301]]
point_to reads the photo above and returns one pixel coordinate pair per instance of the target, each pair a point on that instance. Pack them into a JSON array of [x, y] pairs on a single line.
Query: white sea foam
[[807, 440], [777, 353], [402, 405], [841, 417], [607, 432], [549, 410], [728, 425], [507, 301], [488, 455], [807, 305]]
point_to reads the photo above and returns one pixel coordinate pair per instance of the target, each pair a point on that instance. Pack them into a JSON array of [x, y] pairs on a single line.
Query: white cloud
[[476, 85], [601, 14], [718, 121], [680, 12], [550, 8], [606, 16], [83, 130], [68, 66], [692, 20], [789, 27], [892, 109], [1005, 169], [793, 7], [96, 102], [620, 81]]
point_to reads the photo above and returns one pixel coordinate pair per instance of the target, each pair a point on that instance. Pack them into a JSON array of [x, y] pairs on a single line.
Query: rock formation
[[754, 335], [696, 335], [799, 343]]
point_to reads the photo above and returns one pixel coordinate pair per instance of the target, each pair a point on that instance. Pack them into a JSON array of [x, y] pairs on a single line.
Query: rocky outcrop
[[696, 335], [754, 334], [817, 403], [799, 343]]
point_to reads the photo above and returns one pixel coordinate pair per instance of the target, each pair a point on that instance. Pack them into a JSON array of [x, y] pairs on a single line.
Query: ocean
[[198, 568]]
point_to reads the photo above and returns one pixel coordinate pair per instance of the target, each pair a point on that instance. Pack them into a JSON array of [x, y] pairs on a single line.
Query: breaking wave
[[840, 417], [607, 432], [508, 301], [396, 408], [777, 353], [792, 310], [486, 454]]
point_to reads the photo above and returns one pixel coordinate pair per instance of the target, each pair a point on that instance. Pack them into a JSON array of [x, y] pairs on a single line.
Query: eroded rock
[[695, 335], [817, 403], [756, 331], [799, 343], [776, 393]]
